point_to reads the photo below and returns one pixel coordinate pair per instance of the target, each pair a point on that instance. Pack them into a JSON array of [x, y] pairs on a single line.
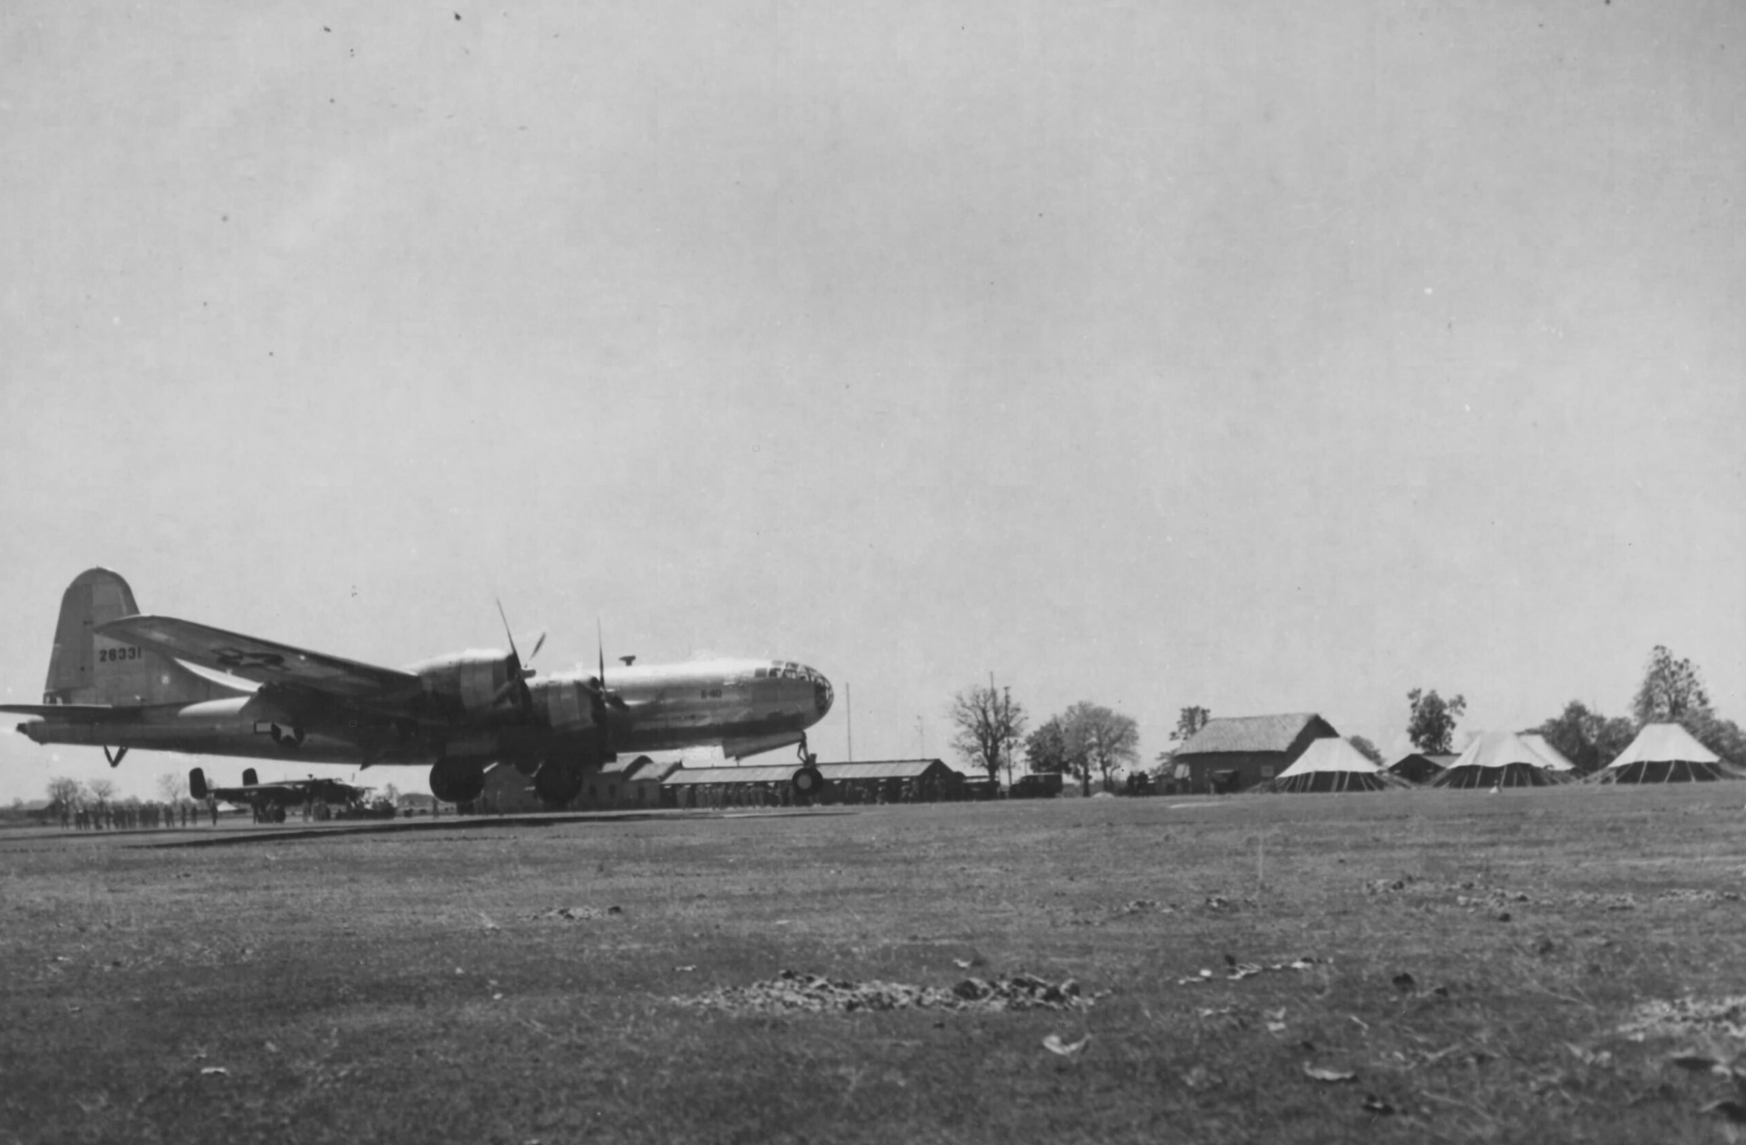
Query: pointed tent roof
[[1498, 749], [1555, 759], [1330, 755], [1663, 743], [1513, 761]]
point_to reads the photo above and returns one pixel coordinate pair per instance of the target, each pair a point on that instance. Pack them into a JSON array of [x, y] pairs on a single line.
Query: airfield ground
[[426, 984]]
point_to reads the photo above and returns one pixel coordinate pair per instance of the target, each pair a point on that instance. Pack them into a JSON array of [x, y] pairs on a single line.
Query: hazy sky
[[1267, 356]]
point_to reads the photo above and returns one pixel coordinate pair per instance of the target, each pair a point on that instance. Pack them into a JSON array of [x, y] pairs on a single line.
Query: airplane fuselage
[[741, 705]]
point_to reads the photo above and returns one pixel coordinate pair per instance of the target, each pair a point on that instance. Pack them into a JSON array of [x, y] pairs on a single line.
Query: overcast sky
[[1266, 356]]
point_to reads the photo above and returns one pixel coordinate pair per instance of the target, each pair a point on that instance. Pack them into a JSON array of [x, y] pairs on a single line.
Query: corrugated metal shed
[[763, 773]]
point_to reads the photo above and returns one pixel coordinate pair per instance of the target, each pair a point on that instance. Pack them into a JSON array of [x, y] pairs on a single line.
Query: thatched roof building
[[1235, 752]]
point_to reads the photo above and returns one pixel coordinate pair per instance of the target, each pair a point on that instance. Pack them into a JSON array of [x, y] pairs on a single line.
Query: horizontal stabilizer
[[74, 713]]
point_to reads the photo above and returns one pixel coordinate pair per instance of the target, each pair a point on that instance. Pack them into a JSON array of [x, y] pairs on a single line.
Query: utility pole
[[994, 709], [1006, 742], [849, 704]]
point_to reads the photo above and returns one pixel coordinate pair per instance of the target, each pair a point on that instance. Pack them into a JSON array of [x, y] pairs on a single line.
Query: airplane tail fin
[[249, 777], [197, 784], [85, 668]]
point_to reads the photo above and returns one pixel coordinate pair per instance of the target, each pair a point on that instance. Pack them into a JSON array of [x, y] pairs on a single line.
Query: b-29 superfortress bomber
[[122, 680]]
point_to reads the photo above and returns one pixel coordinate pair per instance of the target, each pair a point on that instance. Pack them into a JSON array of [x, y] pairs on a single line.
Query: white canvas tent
[[1665, 753], [1499, 759], [1331, 764], [1555, 759]]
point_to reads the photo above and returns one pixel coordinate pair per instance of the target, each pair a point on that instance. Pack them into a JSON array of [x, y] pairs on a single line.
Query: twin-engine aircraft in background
[[121, 680], [269, 800]]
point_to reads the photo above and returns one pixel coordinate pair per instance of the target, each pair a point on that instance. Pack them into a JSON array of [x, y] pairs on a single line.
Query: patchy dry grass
[[1480, 966]]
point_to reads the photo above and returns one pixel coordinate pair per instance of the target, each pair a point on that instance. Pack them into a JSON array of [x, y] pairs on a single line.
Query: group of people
[[133, 816]]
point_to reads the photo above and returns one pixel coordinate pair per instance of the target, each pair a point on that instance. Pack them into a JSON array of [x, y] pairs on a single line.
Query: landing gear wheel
[[808, 783], [808, 780], [278, 812]]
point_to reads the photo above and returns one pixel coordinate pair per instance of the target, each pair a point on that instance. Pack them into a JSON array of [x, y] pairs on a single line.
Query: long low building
[[876, 781]]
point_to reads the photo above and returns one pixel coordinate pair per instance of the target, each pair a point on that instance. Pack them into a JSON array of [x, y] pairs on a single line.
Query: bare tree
[[65, 792], [102, 790], [169, 787], [989, 725], [1099, 739]]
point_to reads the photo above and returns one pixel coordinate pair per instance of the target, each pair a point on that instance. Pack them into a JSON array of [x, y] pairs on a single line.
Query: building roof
[[1255, 733], [1435, 759], [1330, 755], [638, 767], [655, 770], [782, 773], [1664, 743]]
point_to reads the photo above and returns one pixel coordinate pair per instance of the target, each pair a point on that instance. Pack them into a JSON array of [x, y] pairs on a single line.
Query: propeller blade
[[538, 644], [514, 655], [600, 647]]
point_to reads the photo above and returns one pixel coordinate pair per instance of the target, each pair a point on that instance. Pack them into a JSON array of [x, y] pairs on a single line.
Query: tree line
[[1088, 740], [1082, 741]]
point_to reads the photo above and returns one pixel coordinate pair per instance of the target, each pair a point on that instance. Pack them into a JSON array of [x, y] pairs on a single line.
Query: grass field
[[414, 984]]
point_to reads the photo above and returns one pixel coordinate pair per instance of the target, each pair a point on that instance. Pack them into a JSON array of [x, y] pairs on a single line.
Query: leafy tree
[[1586, 738], [1724, 737], [989, 725], [1190, 720], [1099, 739], [65, 792], [1432, 723], [1046, 749], [1366, 749], [1672, 690]]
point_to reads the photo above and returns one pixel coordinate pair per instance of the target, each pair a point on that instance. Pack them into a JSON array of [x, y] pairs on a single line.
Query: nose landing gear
[[808, 781]]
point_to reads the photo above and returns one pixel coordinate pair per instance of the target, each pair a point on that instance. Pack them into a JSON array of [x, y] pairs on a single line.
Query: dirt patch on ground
[[1684, 1017], [791, 991]]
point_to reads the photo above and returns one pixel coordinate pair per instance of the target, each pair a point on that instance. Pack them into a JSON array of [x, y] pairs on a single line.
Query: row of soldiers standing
[[134, 816]]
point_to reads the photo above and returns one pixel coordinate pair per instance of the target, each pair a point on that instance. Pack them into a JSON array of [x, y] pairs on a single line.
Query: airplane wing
[[263, 660], [73, 713]]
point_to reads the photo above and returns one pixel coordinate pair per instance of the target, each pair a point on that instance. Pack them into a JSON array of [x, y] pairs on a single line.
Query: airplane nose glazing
[[821, 693]]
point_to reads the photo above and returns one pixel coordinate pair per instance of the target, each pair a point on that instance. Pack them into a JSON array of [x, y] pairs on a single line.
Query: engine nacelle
[[457, 780], [466, 683], [564, 705]]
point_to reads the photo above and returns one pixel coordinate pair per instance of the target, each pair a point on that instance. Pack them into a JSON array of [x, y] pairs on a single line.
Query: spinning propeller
[[517, 670], [608, 704]]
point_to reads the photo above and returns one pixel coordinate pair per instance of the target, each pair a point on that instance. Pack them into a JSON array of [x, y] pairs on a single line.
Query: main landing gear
[[807, 779]]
